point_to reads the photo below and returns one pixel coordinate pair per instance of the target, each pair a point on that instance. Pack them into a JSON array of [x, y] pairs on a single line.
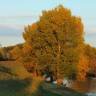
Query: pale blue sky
[[15, 14]]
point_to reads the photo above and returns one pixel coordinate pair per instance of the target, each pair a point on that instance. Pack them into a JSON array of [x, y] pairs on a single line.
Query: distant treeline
[[5, 52]]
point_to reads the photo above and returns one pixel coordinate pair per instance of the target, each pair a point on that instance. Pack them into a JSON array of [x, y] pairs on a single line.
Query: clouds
[[18, 20], [10, 31], [14, 25], [11, 34], [10, 40], [11, 27], [20, 16]]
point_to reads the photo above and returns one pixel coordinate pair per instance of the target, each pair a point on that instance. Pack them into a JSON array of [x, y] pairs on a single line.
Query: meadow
[[12, 84]]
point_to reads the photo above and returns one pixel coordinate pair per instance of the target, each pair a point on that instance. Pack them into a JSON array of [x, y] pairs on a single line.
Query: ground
[[12, 86]]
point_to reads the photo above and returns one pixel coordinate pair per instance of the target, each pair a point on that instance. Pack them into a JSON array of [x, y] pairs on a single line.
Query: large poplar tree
[[56, 42]]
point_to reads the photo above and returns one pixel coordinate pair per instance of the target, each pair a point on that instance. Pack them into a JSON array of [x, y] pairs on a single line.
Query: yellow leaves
[[34, 26], [83, 68], [28, 31], [16, 52], [90, 52], [31, 27], [27, 48], [56, 26]]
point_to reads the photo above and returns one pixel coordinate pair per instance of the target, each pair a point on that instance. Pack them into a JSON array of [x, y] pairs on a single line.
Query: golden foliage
[[48, 39], [16, 52], [83, 68], [90, 53]]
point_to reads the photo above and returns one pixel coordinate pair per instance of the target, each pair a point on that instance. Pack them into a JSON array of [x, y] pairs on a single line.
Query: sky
[[15, 14]]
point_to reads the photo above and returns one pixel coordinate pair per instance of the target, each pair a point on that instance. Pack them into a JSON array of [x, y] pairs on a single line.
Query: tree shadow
[[13, 85]]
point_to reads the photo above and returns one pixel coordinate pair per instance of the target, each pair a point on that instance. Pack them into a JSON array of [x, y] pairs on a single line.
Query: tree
[[56, 42], [3, 53], [16, 53], [83, 67], [90, 53]]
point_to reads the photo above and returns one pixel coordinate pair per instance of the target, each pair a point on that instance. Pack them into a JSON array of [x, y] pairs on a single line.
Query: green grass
[[12, 88]]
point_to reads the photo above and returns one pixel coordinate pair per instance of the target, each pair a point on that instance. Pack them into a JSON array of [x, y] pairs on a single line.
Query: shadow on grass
[[13, 87], [17, 88]]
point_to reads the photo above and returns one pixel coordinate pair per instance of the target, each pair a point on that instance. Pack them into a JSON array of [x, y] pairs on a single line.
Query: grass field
[[13, 85], [17, 88]]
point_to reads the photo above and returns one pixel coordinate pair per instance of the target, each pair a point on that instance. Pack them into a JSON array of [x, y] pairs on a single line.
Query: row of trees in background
[[55, 44], [10, 52], [3, 53], [90, 52]]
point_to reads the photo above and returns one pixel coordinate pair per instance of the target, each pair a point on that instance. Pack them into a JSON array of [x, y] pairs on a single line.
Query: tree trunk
[[58, 63]]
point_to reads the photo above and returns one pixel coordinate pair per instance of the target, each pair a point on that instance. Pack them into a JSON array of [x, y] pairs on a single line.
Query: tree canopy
[[56, 42]]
